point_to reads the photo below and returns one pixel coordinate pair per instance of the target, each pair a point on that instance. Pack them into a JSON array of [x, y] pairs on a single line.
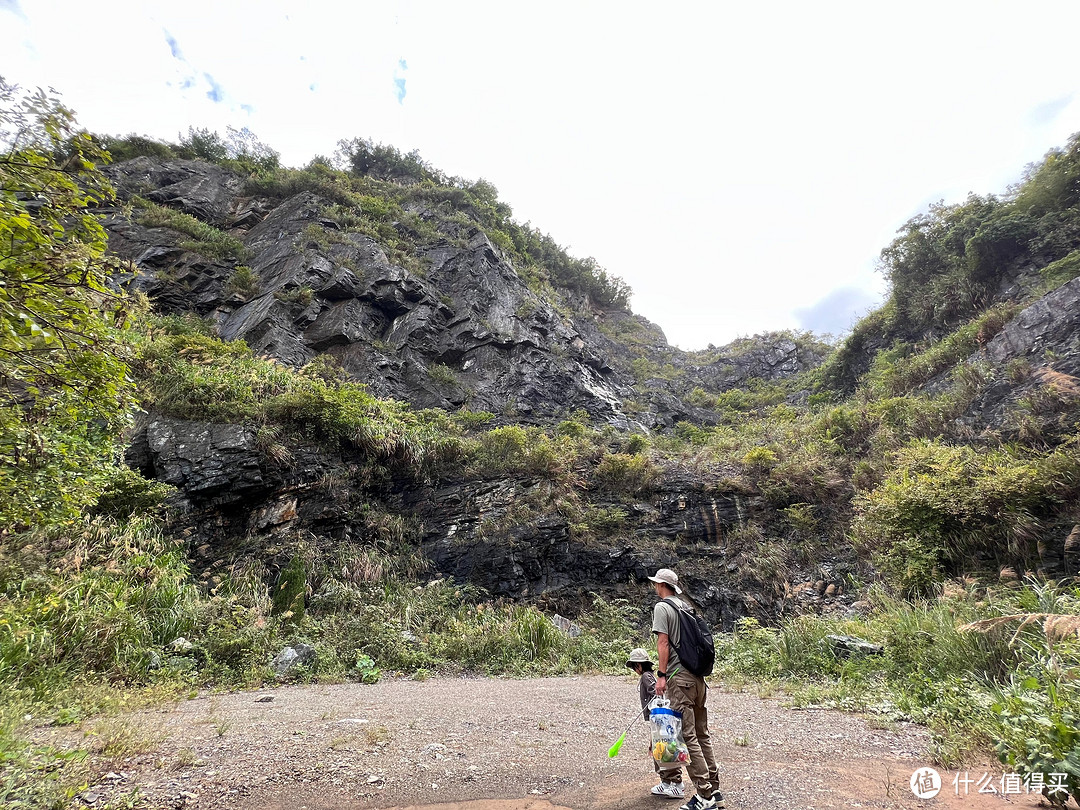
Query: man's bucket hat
[[668, 577], [638, 656]]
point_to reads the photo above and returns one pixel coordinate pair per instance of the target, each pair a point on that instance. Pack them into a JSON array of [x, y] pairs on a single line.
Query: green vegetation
[[880, 459], [301, 296], [442, 374], [983, 669], [239, 150], [243, 282], [205, 239], [944, 506], [64, 388], [113, 602], [195, 376]]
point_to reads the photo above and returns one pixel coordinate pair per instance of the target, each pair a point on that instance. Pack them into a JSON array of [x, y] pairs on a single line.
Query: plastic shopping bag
[[668, 746]]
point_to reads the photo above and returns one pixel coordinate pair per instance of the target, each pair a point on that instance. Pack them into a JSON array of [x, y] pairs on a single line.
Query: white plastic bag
[[668, 746]]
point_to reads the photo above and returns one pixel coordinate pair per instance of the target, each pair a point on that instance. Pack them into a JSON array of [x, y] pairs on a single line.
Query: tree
[[365, 158], [241, 149], [64, 387]]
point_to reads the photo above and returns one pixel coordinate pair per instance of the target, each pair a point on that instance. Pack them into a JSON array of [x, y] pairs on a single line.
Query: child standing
[[671, 785]]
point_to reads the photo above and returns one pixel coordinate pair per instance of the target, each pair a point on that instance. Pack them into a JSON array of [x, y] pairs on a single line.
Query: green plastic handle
[[614, 750]]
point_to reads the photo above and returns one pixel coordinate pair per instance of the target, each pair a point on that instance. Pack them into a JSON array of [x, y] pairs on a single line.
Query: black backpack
[[696, 650]]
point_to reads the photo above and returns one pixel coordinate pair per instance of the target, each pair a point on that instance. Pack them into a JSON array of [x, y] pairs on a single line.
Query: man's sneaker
[[718, 800], [699, 803], [669, 790]]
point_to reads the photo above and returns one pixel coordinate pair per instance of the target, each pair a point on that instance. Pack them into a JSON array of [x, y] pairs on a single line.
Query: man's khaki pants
[[687, 695]]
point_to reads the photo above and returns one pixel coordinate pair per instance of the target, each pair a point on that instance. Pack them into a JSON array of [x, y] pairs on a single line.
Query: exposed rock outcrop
[[466, 331], [453, 325], [1035, 363]]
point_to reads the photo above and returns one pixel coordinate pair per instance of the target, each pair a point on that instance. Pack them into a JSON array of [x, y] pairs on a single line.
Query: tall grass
[[968, 687], [197, 376], [205, 239], [95, 597]]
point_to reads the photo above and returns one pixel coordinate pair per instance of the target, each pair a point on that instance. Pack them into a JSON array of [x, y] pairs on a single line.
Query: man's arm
[[662, 657]]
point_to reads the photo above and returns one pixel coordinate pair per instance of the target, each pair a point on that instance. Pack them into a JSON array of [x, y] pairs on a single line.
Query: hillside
[[586, 444], [454, 324], [357, 408]]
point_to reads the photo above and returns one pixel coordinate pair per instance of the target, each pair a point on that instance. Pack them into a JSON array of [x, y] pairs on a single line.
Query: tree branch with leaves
[[64, 388]]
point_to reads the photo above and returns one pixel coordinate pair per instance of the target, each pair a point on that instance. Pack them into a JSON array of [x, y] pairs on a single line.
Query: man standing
[[686, 691]]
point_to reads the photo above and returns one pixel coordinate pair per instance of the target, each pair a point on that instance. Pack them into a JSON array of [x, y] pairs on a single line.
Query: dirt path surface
[[487, 744]]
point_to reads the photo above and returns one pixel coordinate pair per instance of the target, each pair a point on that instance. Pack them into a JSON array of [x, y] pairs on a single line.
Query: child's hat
[[638, 656]]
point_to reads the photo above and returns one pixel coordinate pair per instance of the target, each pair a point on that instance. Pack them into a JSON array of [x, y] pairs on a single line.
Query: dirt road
[[492, 744]]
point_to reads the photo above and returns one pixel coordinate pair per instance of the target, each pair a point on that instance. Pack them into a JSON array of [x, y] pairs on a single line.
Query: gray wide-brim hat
[[668, 577], [638, 656]]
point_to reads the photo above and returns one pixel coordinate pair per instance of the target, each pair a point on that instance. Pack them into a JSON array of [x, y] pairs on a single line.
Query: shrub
[[941, 505], [244, 282], [1063, 270], [205, 239], [626, 474], [441, 374], [302, 296], [133, 146], [636, 444], [572, 429], [513, 449], [66, 392], [759, 458], [127, 493]]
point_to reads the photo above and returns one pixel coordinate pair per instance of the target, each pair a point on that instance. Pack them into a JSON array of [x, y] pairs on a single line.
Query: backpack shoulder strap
[[678, 612], [680, 608]]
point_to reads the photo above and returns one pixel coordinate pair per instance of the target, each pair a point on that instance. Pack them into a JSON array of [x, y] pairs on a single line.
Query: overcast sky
[[740, 165]]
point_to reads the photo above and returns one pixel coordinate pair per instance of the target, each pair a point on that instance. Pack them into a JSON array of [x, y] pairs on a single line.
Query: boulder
[[846, 646], [295, 655], [566, 626]]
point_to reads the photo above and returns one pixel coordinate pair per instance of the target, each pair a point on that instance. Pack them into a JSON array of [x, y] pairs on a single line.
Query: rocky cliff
[[427, 309], [459, 329], [463, 328]]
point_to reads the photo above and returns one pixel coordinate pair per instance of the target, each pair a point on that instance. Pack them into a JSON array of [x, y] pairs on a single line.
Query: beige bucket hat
[[638, 656], [668, 577]]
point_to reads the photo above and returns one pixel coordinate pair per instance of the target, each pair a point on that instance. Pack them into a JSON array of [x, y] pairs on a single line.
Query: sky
[[739, 165]]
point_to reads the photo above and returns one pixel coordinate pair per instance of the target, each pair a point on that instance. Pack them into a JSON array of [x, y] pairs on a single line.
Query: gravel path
[[493, 744]]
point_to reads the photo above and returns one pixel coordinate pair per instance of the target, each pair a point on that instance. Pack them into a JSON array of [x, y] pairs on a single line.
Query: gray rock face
[[1042, 343], [762, 358], [681, 526], [204, 459], [205, 191], [470, 529], [467, 331], [1051, 323], [453, 325]]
